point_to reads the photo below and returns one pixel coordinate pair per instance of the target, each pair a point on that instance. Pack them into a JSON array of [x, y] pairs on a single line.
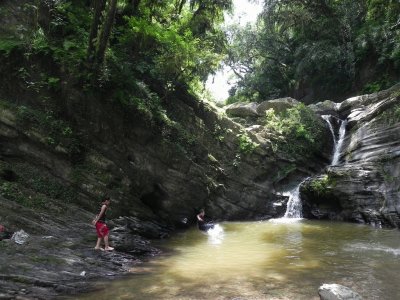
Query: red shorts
[[102, 229]]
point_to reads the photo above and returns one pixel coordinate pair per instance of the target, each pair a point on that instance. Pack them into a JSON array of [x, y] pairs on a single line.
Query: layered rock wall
[[364, 186]]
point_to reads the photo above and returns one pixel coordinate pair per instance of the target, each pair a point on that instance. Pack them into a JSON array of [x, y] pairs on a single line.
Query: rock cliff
[[63, 147], [364, 186], [54, 171]]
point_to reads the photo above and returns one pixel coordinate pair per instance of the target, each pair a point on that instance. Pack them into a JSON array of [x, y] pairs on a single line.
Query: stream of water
[[294, 205], [266, 260], [286, 258], [337, 142]]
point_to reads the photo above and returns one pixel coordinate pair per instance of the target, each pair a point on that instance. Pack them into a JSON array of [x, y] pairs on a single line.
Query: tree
[[106, 31], [98, 9], [315, 49], [100, 31]]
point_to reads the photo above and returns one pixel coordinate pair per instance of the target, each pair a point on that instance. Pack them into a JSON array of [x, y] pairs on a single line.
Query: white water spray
[[215, 235], [294, 206], [338, 143], [327, 119]]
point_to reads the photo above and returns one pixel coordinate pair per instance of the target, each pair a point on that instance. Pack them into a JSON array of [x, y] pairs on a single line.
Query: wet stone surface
[[59, 259]]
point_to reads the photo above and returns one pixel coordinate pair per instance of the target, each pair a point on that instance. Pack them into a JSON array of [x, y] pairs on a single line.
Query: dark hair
[[105, 198]]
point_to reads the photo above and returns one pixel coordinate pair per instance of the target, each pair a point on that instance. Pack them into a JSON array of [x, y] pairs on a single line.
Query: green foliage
[[179, 137], [323, 46], [7, 45], [236, 161], [320, 185], [56, 131], [172, 51], [153, 48], [297, 132], [33, 189], [390, 116], [12, 191], [142, 99], [246, 145], [65, 40], [372, 87], [219, 132]]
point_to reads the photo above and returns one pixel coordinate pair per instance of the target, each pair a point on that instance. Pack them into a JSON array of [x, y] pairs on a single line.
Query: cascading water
[[339, 144], [294, 206], [336, 142], [327, 119]]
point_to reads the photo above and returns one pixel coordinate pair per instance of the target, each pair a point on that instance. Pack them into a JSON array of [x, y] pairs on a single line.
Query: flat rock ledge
[[337, 292]]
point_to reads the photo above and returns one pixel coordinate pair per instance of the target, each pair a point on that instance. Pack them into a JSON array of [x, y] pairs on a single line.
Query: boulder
[[279, 105], [326, 107], [242, 110], [337, 292]]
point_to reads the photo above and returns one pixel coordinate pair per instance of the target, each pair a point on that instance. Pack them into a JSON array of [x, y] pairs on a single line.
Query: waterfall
[[294, 207], [336, 142], [338, 145], [327, 118]]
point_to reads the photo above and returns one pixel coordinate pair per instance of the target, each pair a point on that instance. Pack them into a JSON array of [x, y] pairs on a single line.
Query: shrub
[[320, 185], [297, 132], [246, 145]]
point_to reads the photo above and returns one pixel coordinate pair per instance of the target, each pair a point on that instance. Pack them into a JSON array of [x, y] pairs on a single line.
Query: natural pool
[[267, 260]]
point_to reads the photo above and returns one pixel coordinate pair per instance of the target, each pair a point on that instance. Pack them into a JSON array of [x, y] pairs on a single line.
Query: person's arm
[[103, 209]]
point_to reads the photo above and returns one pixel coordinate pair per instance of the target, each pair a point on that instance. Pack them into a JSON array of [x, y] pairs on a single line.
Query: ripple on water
[[362, 247], [286, 220], [279, 259]]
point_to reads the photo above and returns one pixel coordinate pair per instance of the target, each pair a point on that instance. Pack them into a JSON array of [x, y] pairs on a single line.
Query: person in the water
[[201, 222]]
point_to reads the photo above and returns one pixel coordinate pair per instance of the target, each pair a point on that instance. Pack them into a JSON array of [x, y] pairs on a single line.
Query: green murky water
[[267, 260]]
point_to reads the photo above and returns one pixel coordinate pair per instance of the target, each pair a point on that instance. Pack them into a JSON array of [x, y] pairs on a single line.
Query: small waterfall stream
[[337, 142], [294, 206]]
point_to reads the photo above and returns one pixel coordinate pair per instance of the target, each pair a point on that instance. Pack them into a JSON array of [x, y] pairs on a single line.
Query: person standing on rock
[[101, 226]]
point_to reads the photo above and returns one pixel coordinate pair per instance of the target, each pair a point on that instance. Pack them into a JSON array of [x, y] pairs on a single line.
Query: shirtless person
[[201, 223]]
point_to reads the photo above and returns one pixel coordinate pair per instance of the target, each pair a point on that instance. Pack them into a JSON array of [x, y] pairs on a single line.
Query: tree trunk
[[106, 32], [180, 7], [135, 6], [94, 30]]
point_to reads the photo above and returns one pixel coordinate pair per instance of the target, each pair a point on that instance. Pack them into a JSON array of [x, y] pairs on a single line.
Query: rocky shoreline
[[58, 258]]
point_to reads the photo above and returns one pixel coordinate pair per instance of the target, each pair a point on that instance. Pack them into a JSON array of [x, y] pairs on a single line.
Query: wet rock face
[[157, 179], [57, 257], [363, 187]]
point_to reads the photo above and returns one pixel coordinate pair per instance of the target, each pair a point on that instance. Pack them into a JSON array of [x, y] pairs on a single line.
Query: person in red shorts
[[4, 234], [101, 226]]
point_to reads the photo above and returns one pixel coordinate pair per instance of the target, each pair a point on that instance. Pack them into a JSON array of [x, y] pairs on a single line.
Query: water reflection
[[268, 260]]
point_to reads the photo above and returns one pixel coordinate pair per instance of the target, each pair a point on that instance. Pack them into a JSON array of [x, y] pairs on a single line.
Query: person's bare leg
[[98, 244], [106, 244]]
